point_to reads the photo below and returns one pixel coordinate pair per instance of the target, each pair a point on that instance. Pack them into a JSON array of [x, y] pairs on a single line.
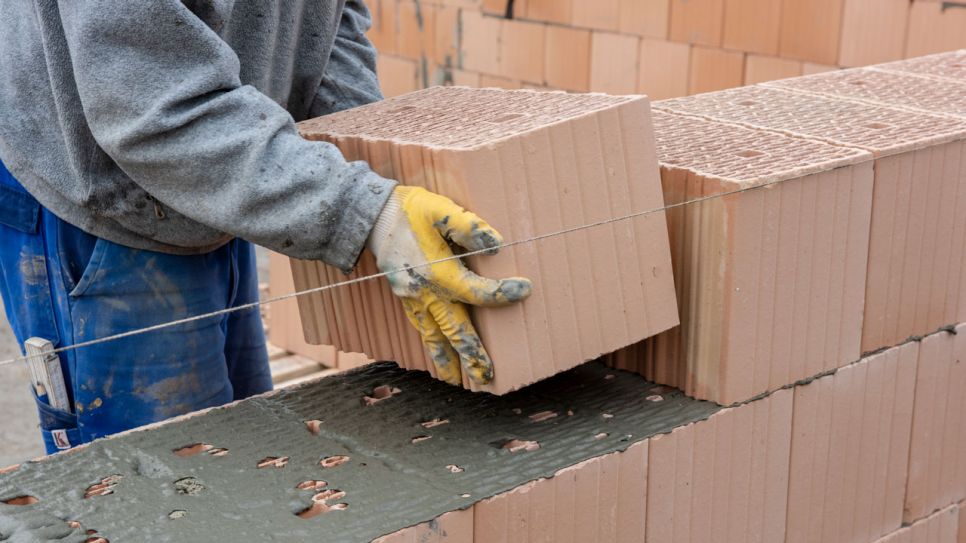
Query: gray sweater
[[169, 125]]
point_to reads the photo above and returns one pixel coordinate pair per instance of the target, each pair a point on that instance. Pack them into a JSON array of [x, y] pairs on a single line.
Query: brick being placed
[[849, 453], [937, 455], [770, 281], [915, 281], [531, 164], [940, 527], [320, 462]]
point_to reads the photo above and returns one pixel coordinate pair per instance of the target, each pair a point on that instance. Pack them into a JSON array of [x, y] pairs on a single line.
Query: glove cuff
[[385, 224]]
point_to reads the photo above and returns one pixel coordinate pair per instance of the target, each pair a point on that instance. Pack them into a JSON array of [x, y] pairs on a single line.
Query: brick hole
[[453, 468], [311, 485], [379, 394], [73, 524], [104, 487], [273, 462], [600, 436], [543, 415], [314, 426], [464, 495], [606, 416], [221, 451], [434, 423], [417, 439], [520, 445], [333, 461], [331, 494], [191, 450], [877, 126], [858, 83], [9, 469], [21, 500], [177, 513], [750, 154], [609, 377], [655, 398], [96, 539], [748, 103]]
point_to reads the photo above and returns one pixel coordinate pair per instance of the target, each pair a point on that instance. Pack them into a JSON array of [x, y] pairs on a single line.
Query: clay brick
[[551, 11], [463, 78], [940, 527], [481, 34], [962, 524], [596, 14], [382, 33], [567, 62], [492, 81], [664, 69], [452, 527], [809, 68], [522, 51], [769, 282], [494, 7], [849, 451], [697, 21], [416, 35], [715, 69], [752, 25], [914, 283], [447, 48], [873, 31], [648, 18], [600, 500], [723, 479], [285, 324], [810, 30], [946, 66], [397, 75], [613, 64], [933, 29], [937, 463], [759, 69], [530, 163]]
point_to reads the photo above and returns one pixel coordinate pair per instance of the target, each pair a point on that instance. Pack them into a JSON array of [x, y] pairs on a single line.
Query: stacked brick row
[[870, 453], [661, 48], [912, 279]]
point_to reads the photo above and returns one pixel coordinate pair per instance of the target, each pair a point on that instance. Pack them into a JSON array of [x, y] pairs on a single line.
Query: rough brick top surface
[[951, 65], [882, 130], [936, 96], [744, 155], [458, 117]]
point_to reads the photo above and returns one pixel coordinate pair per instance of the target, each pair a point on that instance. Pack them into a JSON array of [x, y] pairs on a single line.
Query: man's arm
[[350, 76], [162, 95]]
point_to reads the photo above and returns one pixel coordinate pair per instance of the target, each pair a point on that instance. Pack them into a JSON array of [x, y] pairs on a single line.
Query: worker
[[142, 142]]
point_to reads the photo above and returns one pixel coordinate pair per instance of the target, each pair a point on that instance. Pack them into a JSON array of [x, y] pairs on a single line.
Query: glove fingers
[[454, 321], [444, 357], [465, 228], [466, 286]]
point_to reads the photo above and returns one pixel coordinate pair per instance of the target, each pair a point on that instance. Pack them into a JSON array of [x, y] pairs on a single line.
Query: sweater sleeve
[[350, 76], [162, 94]]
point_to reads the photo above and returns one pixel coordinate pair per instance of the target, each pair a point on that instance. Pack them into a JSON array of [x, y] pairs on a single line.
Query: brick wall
[[662, 48]]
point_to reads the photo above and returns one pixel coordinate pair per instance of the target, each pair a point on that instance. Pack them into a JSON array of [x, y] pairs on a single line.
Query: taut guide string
[[357, 280]]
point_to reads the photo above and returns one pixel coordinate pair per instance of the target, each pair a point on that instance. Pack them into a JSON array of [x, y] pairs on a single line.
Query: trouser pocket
[[57, 427]]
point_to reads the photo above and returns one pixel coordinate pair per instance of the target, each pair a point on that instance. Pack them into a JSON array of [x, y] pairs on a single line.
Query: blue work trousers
[[67, 286]]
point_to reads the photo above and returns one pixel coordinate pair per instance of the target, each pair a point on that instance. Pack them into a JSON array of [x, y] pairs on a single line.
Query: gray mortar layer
[[390, 482]]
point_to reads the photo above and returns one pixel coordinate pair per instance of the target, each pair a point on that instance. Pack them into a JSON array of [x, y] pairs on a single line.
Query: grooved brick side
[[850, 446], [940, 527], [937, 457]]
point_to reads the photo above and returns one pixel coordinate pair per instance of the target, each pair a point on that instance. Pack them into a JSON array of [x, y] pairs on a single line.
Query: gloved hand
[[411, 231]]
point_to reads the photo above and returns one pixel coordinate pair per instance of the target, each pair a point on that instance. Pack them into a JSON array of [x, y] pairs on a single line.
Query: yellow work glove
[[413, 230]]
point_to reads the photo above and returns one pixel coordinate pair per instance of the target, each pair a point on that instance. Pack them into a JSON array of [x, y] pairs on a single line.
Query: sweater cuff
[[365, 202]]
